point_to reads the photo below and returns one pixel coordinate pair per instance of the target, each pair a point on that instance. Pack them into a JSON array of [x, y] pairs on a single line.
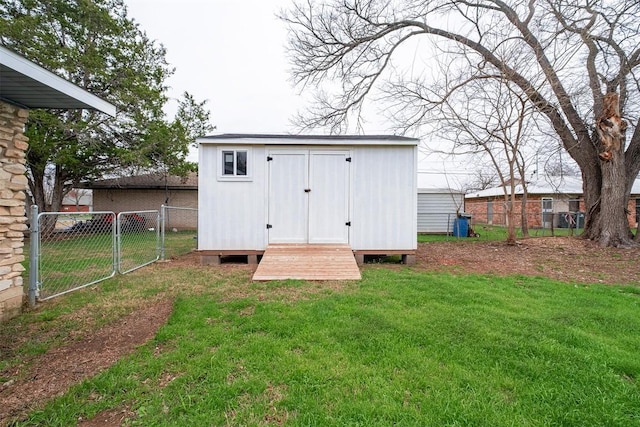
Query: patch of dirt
[[54, 372], [109, 418], [565, 259]]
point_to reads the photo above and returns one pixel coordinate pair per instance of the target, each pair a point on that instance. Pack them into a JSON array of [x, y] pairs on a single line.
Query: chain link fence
[[179, 231], [138, 236], [553, 224], [467, 225], [72, 250]]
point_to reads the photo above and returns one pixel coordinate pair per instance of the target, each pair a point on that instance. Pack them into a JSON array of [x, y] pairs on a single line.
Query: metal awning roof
[[28, 85], [304, 139]]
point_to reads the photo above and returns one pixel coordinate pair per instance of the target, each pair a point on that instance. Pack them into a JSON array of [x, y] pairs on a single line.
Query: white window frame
[[549, 212], [234, 177]]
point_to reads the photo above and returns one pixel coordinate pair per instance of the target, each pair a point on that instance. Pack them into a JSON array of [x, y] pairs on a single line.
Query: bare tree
[[556, 165], [563, 55], [481, 179], [491, 120]]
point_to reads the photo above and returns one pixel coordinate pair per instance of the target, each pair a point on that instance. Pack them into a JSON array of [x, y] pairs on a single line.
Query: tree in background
[[492, 122], [93, 44], [166, 144], [481, 179], [562, 56], [556, 165]]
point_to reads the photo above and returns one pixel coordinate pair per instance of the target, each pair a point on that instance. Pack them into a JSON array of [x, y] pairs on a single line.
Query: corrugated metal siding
[[436, 211], [233, 215], [384, 186]]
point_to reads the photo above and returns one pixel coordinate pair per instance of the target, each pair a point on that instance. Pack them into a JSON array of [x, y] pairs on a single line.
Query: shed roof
[[28, 85], [288, 139], [153, 181], [442, 190]]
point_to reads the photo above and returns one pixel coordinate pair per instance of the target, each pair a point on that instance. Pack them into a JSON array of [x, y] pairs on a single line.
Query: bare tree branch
[[561, 55]]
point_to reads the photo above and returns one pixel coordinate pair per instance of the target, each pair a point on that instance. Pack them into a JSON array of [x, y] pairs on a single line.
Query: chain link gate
[[72, 250], [138, 239]]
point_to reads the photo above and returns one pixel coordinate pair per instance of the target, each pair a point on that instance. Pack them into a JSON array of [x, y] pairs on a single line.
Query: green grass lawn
[[70, 261], [498, 232], [399, 347]]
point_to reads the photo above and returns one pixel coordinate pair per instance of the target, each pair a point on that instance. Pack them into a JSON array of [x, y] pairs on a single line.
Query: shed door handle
[[307, 190]]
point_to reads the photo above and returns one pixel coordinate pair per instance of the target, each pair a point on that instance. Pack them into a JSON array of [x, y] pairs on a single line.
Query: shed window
[[234, 163]]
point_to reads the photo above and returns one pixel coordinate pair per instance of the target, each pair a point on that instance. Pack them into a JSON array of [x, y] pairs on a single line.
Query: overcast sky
[[230, 52], [233, 54]]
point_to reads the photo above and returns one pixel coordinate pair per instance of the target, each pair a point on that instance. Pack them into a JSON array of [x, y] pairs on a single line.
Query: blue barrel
[[461, 227]]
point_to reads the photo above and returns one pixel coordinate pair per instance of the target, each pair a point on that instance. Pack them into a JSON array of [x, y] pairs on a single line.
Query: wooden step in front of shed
[[307, 262]]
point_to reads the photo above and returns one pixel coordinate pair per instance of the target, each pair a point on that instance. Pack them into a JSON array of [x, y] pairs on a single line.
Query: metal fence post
[[162, 231], [115, 243], [34, 240]]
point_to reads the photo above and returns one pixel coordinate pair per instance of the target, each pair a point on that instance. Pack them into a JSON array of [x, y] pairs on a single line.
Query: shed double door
[[308, 196]]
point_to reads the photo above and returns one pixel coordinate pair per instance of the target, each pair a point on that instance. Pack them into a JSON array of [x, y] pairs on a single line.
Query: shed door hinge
[[348, 223], [348, 159], [269, 226], [269, 158]]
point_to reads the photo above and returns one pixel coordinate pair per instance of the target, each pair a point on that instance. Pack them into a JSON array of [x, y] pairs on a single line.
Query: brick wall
[[121, 200], [479, 208], [13, 183], [631, 212]]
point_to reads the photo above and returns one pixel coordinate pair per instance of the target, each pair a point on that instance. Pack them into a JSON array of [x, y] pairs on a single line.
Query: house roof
[[545, 185], [287, 139], [154, 181], [28, 85]]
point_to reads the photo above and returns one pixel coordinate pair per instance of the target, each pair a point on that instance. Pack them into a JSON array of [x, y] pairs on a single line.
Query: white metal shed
[[438, 209], [256, 189]]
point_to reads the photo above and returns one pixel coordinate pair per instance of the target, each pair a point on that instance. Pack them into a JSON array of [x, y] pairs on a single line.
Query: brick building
[[147, 192], [551, 202]]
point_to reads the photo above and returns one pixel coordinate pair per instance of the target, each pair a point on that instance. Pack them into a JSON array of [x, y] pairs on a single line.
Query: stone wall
[[13, 183]]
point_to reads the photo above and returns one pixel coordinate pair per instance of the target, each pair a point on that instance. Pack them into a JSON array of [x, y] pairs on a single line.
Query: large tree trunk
[[606, 189], [606, 219], [58, 191]]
